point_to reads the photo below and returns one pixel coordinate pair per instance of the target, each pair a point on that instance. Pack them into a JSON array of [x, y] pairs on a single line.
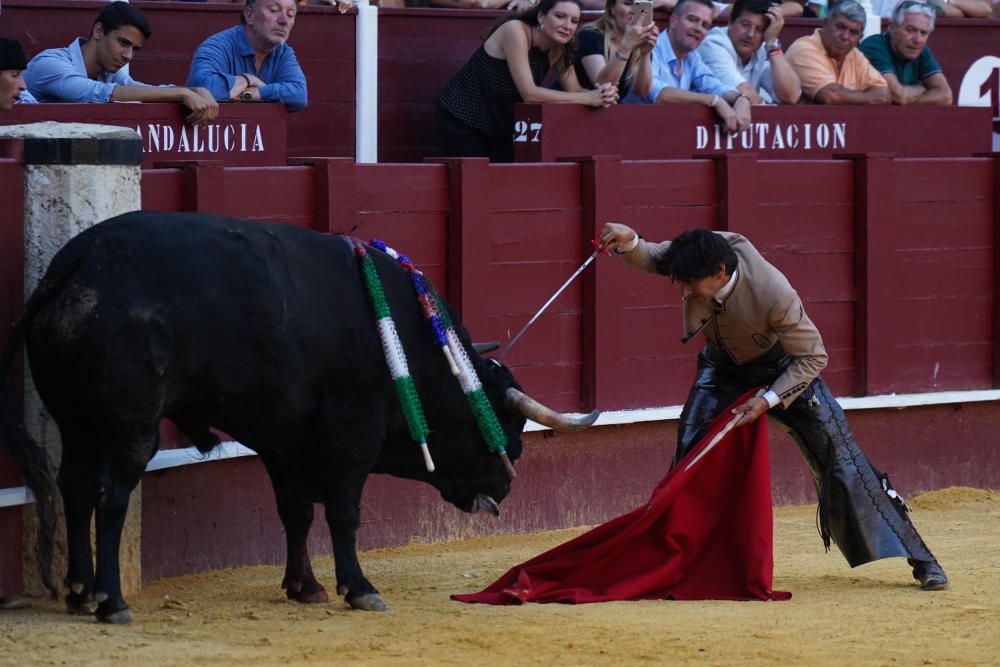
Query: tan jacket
[[761, 310]]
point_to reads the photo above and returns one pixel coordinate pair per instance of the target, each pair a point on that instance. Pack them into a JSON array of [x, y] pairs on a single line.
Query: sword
[[541, 310]]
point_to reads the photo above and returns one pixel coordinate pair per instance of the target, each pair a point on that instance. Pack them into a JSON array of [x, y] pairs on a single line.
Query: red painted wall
[[498, 239], [894, 259]]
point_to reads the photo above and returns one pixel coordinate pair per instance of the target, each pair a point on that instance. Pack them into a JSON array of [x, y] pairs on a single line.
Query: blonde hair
[[606, 26]]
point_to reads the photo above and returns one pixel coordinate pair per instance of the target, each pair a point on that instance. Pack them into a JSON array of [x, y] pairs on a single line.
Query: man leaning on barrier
[[89, 70], [757, 334], [252, 62], [681, 77], [12, 63], [831, 67], [747, 54], [902, 56]]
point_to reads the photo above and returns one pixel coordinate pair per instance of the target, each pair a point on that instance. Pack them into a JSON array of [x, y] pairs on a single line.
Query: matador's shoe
[[930, 575]]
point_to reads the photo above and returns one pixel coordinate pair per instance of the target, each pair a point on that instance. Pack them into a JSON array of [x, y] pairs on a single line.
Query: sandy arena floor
[[874, 615]]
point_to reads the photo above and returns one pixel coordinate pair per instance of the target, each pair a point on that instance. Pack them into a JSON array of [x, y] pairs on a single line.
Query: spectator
[[615, 49], [831, 67], [747, 55], [89, 70], [12, 63], [800, 9], [903, 58], [251, 62], [957, 9], [475, 112], [680, 75]]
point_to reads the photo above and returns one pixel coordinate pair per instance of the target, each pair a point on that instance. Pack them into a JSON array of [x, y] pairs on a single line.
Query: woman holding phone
[[475, 114], [616, 47]]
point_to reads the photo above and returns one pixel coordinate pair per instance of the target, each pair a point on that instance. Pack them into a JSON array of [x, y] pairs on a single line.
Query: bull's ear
[[486, 348]]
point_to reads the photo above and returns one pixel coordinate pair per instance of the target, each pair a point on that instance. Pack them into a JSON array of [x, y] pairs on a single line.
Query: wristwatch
[[246, 96], [773, 45]]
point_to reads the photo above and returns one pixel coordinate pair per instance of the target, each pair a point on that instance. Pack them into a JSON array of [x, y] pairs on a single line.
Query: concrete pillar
[[75, 175]]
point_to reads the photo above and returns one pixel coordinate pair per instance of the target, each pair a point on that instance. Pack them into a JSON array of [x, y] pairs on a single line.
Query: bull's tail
[[31, 459]]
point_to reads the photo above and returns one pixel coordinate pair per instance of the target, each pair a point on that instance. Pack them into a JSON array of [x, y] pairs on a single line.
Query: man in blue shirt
[[902, 56], [252, 62], [12, 87], [89, 70], [681, 76]]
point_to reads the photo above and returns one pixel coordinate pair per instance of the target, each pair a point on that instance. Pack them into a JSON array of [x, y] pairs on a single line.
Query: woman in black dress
[[475, 114]]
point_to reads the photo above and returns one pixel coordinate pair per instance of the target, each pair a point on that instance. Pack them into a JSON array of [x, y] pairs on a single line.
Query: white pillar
[[75, 175], [366, 84]]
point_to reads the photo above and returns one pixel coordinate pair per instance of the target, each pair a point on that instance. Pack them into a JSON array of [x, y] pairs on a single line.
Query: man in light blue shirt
[[680, 76], [252, 62], [747, 54], [90, 70]]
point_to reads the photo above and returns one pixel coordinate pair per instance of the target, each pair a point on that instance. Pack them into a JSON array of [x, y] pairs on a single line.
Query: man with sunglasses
[[831, 67], [903, 58]]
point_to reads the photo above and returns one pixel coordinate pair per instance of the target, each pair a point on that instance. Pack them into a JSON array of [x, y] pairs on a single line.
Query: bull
[[263, 331]]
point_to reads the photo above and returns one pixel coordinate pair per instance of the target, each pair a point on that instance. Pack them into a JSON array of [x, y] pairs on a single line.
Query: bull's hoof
[[369, 602], [310, 592], [120, 617], [78, 603]]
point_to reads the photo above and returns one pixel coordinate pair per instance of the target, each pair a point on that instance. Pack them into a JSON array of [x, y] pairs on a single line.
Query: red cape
[[704, 534]]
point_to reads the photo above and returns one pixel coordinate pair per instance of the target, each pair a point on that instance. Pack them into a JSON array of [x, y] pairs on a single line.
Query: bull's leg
[[78, 483], [299, 583], [122, 474], [343, 514], [296, 516]]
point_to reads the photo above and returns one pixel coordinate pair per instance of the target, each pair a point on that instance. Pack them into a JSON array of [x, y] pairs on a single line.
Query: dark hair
[[696, 253], [752, 6], [681, 3], [530, 16], [118, 14], [12, 55]]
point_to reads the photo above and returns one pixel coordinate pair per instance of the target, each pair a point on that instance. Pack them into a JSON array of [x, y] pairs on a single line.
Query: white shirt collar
[[727, 289]]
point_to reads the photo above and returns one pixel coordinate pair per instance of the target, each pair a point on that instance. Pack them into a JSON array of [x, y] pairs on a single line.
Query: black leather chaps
[[858, 507]]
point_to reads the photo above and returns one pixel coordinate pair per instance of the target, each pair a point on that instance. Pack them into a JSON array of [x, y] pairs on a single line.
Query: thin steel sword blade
[[541, 310]]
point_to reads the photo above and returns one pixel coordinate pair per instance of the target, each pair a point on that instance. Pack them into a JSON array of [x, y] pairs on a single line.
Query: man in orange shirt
[[831, 67]]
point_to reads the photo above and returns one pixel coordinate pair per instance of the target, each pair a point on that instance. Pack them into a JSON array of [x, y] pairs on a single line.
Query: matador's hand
[[751, 410]]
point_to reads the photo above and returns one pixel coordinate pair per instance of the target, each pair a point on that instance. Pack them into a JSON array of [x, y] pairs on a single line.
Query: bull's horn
[[483, 348], [537, 412]]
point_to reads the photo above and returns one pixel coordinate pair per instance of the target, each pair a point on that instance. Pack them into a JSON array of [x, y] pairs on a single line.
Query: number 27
[[523, 128]]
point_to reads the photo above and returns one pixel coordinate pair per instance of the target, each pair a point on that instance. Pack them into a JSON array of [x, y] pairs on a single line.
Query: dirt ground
[[874, 615]]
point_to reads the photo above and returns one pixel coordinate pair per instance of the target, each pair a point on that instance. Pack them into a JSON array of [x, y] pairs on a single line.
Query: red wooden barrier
[[548, 132], [500, 238]]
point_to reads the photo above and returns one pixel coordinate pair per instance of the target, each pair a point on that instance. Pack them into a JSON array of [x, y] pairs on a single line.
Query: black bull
[[265, 332]]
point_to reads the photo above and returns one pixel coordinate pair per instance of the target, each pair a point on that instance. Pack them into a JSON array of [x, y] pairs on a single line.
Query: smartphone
[[644, 10]]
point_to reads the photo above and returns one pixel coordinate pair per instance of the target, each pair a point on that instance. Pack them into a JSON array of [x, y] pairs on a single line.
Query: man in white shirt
[[747, 55]]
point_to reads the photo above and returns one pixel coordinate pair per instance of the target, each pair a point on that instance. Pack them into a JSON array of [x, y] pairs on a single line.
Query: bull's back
[[177, 306]]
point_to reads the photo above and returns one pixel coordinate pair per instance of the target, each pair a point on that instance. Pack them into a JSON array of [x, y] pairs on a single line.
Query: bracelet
[[247, 78], [743, 96], [628, 247], [619, 56], [775, 52], [715, 100]]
